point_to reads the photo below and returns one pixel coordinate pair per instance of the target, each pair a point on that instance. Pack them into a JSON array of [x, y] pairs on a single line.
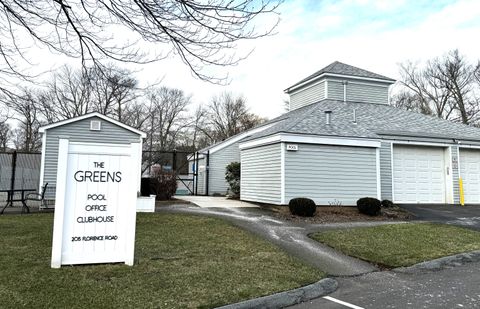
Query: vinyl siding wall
[[79, 131], [261, 174], [371, 93], [330, 174], [386, 170], [335, 90], [367, 92], [307, 95], [218, 162]]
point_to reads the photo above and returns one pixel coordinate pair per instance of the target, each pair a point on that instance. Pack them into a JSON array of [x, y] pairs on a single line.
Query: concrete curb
[[441, 263], [288, 298]]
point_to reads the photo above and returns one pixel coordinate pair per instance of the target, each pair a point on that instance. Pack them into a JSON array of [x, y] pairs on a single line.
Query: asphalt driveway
[[466, 216]]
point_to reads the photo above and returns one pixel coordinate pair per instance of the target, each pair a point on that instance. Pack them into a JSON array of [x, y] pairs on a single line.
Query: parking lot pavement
[[455, 287], [466, 216]]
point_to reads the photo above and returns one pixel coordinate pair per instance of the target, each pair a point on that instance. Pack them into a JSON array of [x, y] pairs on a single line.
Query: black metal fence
[[184, 164], [19, 170]]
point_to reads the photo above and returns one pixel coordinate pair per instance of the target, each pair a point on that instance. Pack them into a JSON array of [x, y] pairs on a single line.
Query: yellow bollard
[[462, 198]]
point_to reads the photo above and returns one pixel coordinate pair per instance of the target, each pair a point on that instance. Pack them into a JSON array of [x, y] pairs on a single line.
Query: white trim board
[[322, 140], [468, 146], [391, 172], [57, 240], [308, 87], [282, 173], [449, 194], [379, 182], [90, 115], [42, 162], [415, 143], [354, 82], [313, 79], [239, 137]]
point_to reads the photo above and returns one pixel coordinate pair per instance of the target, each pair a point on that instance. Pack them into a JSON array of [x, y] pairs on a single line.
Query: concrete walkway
[[289, 236], [214, 201]]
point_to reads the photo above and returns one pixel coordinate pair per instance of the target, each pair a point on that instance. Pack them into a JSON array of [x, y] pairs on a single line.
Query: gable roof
[[90, 115], [374, 121], [346, 70]]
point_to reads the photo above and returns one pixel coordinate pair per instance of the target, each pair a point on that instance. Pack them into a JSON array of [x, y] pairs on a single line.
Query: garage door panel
[[419, 174], [470, 174]]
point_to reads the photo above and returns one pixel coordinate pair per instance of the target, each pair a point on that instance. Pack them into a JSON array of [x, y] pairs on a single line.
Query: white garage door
[[418, 174], [470, 173]]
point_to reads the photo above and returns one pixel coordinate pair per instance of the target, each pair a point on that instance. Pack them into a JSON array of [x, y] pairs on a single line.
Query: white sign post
[[95, 207]]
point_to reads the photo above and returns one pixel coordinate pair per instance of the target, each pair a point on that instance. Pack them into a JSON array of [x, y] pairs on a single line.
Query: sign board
[[292, 147], [95, 207]]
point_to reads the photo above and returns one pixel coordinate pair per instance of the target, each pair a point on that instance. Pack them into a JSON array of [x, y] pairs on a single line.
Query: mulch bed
[[332, 214]]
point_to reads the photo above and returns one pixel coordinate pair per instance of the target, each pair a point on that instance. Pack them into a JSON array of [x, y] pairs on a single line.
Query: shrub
[[163, 184], [232, 176], [304, 207], [369, 206], [387, 204]]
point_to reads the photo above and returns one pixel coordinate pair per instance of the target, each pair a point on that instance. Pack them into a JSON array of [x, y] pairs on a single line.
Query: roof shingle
[[372, 121], [343, 69]]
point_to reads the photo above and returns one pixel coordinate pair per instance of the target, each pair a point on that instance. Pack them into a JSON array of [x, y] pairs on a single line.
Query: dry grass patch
[[182, 261]]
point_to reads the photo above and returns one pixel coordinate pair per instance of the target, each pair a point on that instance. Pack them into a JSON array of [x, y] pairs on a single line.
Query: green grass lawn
[[396, 245], [181, 262]]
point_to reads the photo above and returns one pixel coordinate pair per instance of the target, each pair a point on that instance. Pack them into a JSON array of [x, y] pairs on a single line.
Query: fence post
[[14, 167], [174, 163], [207, 171]]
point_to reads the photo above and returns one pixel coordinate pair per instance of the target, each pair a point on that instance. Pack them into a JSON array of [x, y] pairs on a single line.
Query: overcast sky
[[374, 35]]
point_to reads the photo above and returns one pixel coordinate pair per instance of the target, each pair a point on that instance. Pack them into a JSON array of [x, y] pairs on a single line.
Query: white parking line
[[341, 302]]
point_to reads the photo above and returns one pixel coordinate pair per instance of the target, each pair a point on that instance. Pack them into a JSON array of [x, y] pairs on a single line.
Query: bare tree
[[477, 73], [228, 115], [5, 135], [25, 111], [167, 110], [137, 115], [73, 93], [457, 76], [445, 87], [199, 133], [69, 95], [425, 93], [200, 33], [112, 89]]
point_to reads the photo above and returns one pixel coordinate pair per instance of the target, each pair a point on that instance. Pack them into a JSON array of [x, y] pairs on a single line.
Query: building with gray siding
[[212, 182], [78, 130], [341, 140]]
